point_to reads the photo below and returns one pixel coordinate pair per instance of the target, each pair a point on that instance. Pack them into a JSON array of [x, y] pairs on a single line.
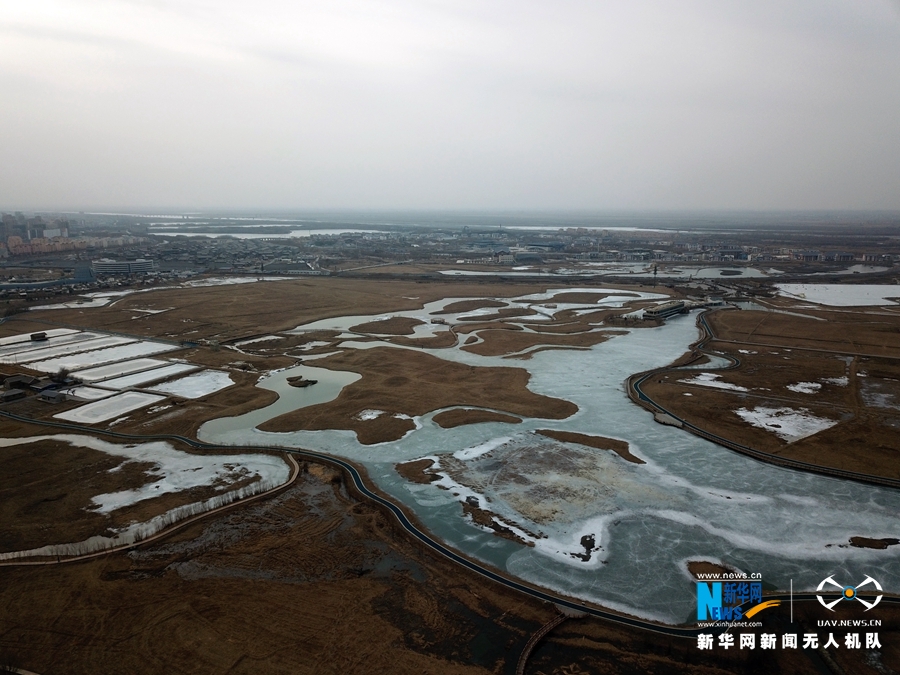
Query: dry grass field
[[461, 416], [311, 580], [843, 366], [406, 383], [244, 310]]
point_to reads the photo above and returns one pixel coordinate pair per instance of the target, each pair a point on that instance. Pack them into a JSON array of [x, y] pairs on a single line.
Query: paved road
[[413, 529], [637, 394], [398, 513]]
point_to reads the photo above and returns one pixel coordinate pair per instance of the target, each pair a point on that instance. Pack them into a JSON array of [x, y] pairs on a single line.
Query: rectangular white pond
[[116, 369], [87, 393], [99, 357], [147, 376], [26, 337], [108, 408], [31, 345], [53, 351], [197, 385]]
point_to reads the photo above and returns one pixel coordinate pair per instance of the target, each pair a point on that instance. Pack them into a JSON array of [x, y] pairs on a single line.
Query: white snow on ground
[[75, 304], [366, 415], [228, 281], [177, 471], [99, 357], [313, 345], [148, 376], [838, 295], [108, 408], [151, 311], [839, 381], [173, 471], [264, 338], [86, 393], [787, 423], [26, 337], [197, 385], [120, 368], [52, 351], [805, 387], [481, 449], [745, 351], [712, 380]]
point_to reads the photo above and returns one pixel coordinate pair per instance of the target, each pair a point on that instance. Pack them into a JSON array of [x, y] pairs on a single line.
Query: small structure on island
[[666, 310]]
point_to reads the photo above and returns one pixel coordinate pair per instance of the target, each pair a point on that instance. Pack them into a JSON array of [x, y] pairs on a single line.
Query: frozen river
[[691, 500]]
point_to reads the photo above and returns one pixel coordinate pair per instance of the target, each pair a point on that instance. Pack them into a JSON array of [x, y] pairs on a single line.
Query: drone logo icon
[[848, 593]]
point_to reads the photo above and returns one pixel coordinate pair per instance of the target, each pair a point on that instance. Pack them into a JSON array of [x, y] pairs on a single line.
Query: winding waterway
[[691, 500]]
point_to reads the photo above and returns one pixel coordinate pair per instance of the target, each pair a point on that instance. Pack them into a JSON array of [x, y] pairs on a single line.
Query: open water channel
[[691, 500]]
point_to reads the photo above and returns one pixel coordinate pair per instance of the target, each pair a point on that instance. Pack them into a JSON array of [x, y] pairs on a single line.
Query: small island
[[300, 381]]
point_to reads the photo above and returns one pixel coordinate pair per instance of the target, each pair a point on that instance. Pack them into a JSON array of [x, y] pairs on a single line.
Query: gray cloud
[[574, 104]]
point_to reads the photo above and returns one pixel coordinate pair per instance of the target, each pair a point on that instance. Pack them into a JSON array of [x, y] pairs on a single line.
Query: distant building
[[19, 381], [53, 396], [109, 266], [11, 395]]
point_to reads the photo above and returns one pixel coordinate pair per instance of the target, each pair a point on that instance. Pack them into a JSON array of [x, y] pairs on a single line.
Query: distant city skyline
[[437, 105]]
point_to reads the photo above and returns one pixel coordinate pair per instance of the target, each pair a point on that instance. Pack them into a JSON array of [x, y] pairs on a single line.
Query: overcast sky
[[633, 104]]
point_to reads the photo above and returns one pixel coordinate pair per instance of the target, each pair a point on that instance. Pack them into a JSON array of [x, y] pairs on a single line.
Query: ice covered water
[[691, 500]]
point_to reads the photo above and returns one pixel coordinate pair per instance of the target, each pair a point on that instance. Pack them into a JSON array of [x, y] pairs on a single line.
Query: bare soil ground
[[414, 383], [461, 416]]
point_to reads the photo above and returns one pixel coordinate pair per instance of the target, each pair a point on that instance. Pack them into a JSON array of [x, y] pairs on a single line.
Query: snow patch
[[481, 449], [805, 387], [264, 338], [197, 385], [786, 423], [712, 380]]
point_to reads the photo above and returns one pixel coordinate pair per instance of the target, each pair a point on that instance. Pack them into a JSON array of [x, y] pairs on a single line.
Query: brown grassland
[[315, 580], [777, 350], [461, 416], [415, 383]]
